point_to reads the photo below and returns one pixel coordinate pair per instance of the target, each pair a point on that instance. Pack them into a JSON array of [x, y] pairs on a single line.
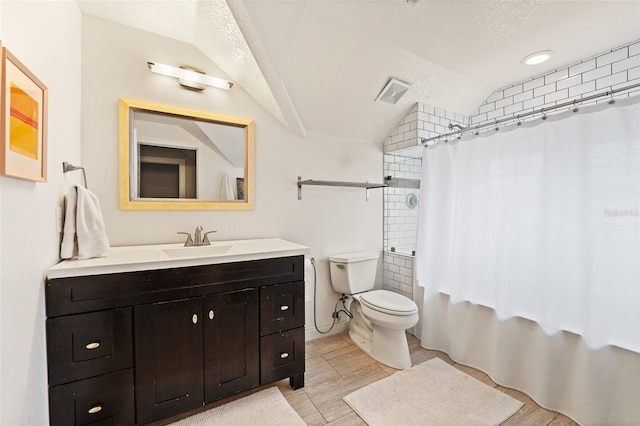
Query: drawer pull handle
[[284, 308], [194, 318], [95, 409], [211, 314], [284, 355], [93, 345]]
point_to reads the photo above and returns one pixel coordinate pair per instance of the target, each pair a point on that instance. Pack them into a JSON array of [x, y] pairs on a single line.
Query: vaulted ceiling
[[318, 65]]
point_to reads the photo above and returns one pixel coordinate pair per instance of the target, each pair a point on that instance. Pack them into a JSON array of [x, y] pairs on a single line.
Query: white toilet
[[380, 317]]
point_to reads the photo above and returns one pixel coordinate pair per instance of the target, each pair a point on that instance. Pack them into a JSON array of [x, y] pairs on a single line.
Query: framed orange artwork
[[23, 122]]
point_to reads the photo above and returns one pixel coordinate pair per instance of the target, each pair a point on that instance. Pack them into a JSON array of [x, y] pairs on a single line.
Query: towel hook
[[68, 167]]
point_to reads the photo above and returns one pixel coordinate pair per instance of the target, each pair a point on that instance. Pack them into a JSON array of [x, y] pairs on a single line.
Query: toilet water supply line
[[336, 312]]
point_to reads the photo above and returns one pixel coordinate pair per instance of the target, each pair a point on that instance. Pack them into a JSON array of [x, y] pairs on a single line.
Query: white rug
[[267, 407], [431, 393]]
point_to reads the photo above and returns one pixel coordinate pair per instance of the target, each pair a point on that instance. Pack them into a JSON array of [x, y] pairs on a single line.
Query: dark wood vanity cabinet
[[135, 347]]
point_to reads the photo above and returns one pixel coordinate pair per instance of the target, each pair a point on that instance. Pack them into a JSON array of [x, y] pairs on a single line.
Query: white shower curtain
[[530, 240]]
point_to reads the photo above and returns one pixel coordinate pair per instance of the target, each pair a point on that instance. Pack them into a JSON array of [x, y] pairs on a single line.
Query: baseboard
[[312, 333]]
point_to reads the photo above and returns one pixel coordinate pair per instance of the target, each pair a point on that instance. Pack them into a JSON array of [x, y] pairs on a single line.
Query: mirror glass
[[174, 158]]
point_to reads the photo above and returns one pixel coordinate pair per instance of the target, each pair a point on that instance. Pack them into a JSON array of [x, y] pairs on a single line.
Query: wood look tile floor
[[336, 367]]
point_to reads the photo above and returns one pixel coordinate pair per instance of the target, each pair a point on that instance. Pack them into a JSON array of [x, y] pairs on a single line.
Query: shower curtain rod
[[424, 141]]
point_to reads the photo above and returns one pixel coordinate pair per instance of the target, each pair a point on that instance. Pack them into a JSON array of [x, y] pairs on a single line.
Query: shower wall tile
[[422, 122], [559, 75], [568, 82], [609, 58], [523, 96], [398, 272], [626, 64], [582, 67], [597, 73], [555, 96], [610, 70], [582, 89], [513, 90]]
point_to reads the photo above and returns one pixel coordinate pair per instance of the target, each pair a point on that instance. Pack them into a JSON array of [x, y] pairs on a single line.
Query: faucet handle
[[206, 241], [189, 241]]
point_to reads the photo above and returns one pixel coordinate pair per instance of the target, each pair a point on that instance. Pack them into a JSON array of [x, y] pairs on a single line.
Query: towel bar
[[68, 167]]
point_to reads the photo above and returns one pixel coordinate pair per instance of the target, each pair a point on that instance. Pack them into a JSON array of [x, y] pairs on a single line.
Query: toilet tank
[[353, 272]]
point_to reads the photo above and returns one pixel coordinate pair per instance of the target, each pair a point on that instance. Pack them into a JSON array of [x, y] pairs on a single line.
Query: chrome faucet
[[199, 239]]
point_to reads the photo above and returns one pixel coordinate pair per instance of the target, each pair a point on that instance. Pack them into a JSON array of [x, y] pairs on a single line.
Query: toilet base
[[391, 348], [361, 342], [386, 345]]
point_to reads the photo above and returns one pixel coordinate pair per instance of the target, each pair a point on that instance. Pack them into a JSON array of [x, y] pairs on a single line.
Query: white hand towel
[[92, 237], [69, 247], [84, 233], [226, 189]]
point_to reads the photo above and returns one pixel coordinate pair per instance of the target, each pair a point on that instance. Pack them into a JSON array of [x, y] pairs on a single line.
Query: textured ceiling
[[318, 65]]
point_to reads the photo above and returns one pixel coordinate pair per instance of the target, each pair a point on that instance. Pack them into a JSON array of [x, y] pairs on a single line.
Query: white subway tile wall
[[610, 70], [423, 121], [398, 274], [404, 161], [400, 222]]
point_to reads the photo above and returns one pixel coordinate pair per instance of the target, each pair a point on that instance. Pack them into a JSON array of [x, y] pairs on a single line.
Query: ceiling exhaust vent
[[393, 91]]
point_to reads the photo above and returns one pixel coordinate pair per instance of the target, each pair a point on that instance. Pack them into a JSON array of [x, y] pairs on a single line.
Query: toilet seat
[[388, 302]]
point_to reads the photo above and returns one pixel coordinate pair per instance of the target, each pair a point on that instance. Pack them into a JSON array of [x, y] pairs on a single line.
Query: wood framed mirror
[[174, 158]]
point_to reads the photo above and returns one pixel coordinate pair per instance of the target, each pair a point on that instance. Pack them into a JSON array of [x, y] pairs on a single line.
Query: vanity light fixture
[[537, 57], [190, 77]]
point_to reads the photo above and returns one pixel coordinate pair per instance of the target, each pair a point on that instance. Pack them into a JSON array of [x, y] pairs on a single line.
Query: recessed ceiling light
[[537, 58]]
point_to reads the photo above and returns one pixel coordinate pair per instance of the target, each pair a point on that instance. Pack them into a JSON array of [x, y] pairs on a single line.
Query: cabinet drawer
[[103, 400], [281, 307], [281, 355], [86, 345]]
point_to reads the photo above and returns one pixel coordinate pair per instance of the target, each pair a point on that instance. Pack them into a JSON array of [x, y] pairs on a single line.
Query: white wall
[[45, 36], [328, 220]]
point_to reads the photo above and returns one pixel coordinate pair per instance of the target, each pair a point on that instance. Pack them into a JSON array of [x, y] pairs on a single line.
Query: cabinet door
[[168, 342], [231, 343]]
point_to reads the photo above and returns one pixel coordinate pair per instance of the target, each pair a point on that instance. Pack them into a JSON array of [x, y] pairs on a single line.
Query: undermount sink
[[196, 251]]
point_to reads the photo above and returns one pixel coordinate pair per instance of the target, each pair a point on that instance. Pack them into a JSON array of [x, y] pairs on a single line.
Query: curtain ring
[[611, 101], [575, 107], [497, 127], [544, 116], [477, 132], [518, 123]]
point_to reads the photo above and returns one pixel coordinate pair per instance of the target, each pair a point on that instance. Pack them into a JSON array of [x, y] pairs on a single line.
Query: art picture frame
[[23, 121]]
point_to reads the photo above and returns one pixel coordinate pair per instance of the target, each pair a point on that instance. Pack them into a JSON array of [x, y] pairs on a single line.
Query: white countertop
[[164, 256]]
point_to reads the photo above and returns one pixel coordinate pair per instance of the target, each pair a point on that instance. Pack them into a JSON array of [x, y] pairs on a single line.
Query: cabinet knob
[[93, 345], [284, 308], [211, 314], [95, 409], [194, 318], [284, 355]]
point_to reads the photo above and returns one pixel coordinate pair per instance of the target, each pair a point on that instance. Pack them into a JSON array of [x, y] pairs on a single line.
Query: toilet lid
[[388, 302]]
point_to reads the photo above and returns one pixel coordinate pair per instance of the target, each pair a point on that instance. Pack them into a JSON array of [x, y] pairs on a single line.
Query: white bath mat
[[431, 393], [267, 407]]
